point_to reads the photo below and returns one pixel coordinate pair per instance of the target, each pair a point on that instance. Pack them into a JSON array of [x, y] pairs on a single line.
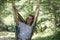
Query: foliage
[[49, 14]]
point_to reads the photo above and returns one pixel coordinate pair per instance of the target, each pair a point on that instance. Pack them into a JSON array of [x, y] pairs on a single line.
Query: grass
[[36, 37], [48, 34], [53, 37]]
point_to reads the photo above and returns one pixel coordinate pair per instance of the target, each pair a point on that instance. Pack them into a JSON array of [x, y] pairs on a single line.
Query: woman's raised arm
[[36, 15], [17, 16]]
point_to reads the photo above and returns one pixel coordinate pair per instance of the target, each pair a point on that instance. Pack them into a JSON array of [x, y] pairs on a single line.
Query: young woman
[[25, 27]]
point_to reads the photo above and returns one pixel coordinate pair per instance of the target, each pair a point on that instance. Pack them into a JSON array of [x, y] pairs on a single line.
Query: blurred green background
[[48, 22]]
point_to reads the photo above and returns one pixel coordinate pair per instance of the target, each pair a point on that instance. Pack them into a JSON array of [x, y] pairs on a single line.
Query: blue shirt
[[24, 31]]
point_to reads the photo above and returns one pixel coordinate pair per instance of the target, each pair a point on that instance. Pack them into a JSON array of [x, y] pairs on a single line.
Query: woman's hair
[[32, 19]]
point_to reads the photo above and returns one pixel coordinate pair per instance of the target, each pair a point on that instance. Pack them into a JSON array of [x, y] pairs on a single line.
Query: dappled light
[[47, 24], [8, 20]]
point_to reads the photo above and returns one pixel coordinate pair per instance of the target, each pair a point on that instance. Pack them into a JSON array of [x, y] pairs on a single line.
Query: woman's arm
[[15, 14], [36, 15], [17, 17]]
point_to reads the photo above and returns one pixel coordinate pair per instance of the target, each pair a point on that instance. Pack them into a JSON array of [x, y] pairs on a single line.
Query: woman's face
[[29, 20]]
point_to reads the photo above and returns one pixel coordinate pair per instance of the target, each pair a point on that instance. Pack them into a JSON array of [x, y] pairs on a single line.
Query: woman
[[25, 27]]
